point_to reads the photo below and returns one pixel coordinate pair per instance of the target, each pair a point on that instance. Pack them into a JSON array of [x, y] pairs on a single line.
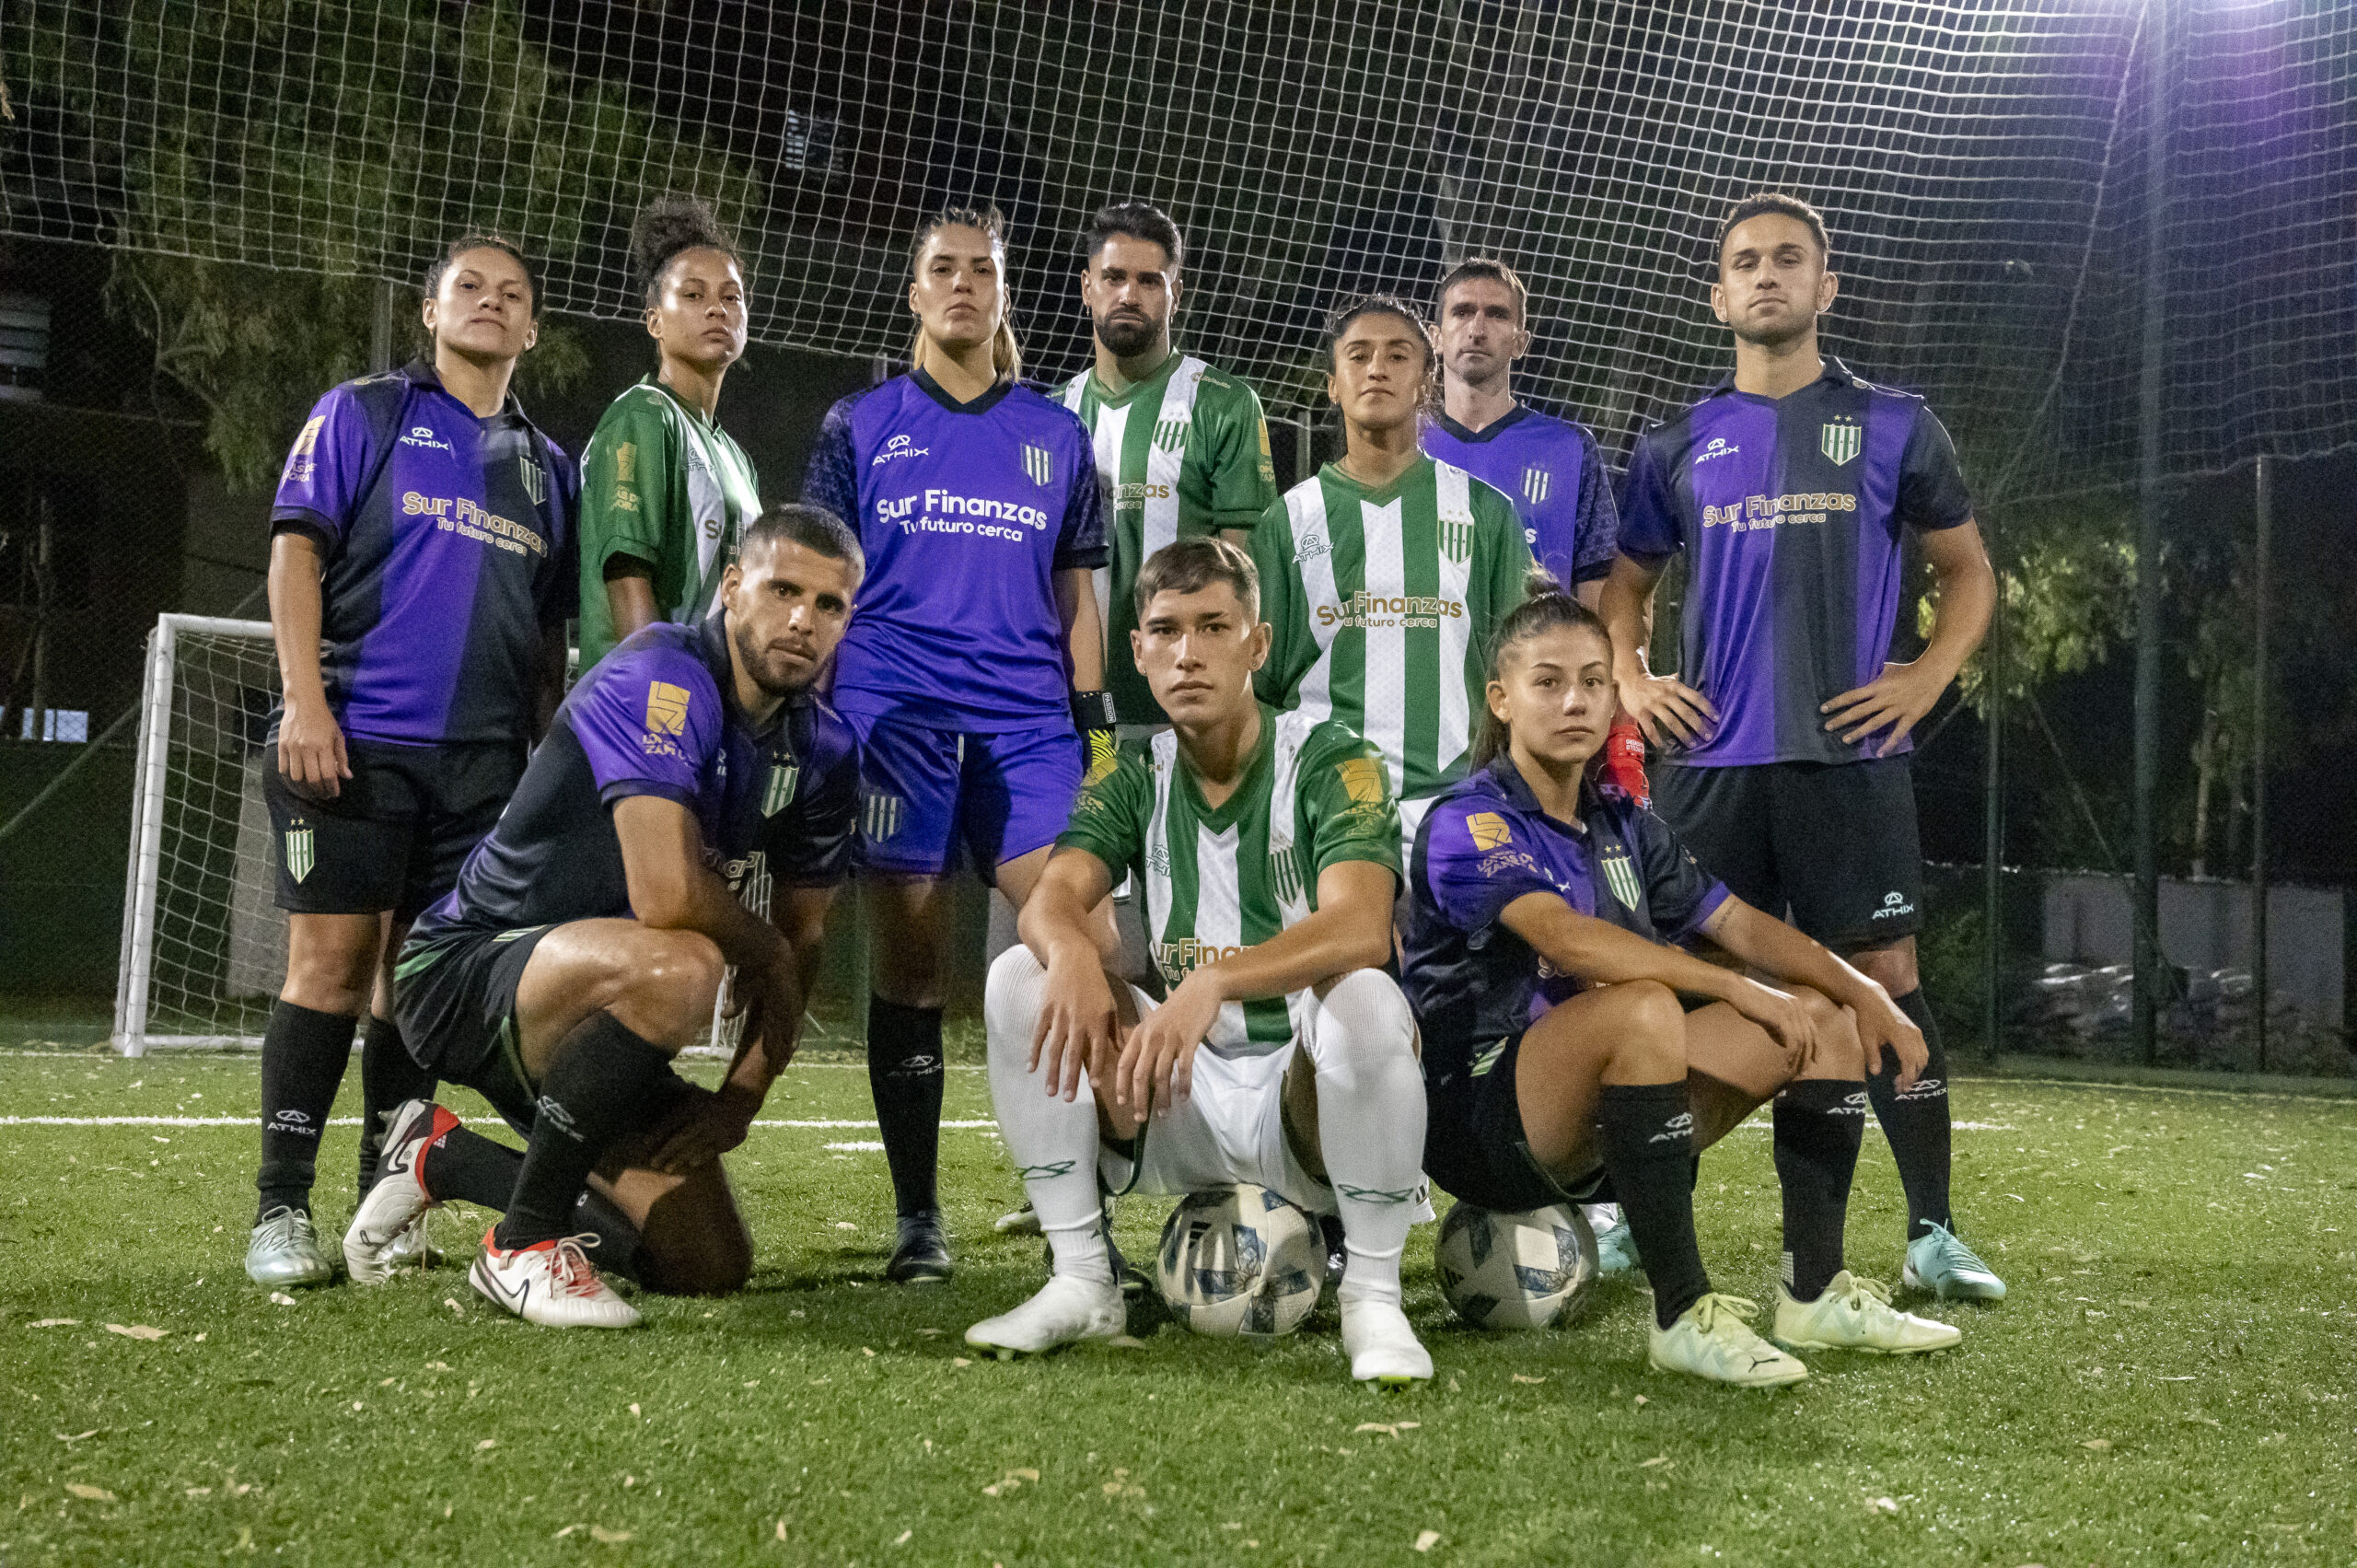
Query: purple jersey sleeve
[[1080, 541], [649, 723], [560, 588], [319, 491], [1650, 529], [1932, 493], [1680, 894], [1597, 529], [832, 479], [1474, 863]]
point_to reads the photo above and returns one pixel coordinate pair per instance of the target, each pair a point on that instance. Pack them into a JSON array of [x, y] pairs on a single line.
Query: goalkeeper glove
[[1621, 764]]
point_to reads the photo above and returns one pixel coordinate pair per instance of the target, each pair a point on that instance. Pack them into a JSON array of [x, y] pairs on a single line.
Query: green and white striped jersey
[[1218, 882], [1182, 454], [1382, 603]]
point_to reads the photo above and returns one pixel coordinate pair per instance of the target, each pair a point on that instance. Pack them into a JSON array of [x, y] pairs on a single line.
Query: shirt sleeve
[[1475, 864], [1678, 892], [1292, 650], [1346, 799], [1080, 542], [649, 721], [815, 850], [831, 479], [1109, 816], [1596, 531], [1243, 474], [626, 487], [560, 595], [319, 488], [1650, 529], [1932, 493]]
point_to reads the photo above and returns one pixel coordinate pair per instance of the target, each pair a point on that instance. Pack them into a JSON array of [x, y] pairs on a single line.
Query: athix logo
[[1720, 446], [1893, 906], [1535, 485], [423, 436], [1853, 1105], [1677, 1128], [1927, 1088], [559, 1118], [898, 447]]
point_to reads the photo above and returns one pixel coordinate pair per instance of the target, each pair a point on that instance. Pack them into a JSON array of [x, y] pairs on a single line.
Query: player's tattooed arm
[[1894, 702], [1078, 1024], [1665, 707], [1769, 944], [310, 743]]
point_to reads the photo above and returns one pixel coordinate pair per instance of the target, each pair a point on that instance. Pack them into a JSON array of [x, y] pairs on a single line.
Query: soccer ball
[[1240, 1260], [1515, 1270]]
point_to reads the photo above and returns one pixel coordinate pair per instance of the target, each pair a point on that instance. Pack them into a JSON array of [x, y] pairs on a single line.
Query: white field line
[[355, 1122]]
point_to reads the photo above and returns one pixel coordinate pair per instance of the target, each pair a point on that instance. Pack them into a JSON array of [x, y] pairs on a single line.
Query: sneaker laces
[[1709, 1309], [281, 1226], [570, 1269], [1951, 1247], [1861, 1287]]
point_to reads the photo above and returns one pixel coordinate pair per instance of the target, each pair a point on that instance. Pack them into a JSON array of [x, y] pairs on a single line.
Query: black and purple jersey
[[1556, 477], [658, 715], [1486, 843], [966, 511], [449, 548], [1795, 510]]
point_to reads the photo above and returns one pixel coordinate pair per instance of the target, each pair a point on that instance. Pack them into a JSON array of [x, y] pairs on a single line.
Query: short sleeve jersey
[[1555, 475], [447, 546], [1180, 454], [1220, 881], [657, 718], [1487, 843], [663, 484], [1794, 510], [966, 512], [1382, 603]]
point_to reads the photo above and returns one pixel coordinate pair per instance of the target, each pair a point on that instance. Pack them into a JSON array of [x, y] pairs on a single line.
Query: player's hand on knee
[[1076, 1023], [1783, 1015], [1158, 1062], [311, 751], [1881, 1026], [706, 1127]]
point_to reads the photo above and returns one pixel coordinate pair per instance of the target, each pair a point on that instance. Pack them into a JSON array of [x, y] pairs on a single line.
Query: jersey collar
[[933, 389], [1408, 475], [1245, 787], [712, 642], [1506, 780], [420, 373], [1489, 432], [1162, 373], [1835, 371], [693, 412]]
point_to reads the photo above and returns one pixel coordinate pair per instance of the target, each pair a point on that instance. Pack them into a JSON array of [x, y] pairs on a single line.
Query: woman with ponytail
[[1573, 1052]]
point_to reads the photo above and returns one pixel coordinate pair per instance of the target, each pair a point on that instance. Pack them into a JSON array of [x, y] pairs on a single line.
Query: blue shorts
[[923, 792]]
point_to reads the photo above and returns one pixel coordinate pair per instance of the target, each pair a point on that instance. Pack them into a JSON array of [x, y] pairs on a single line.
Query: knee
[[1011, 996], [713, 1259], [1838, 1054], [331, 972], [1892, 968], [667, 982], [1364, 1016], [1648, 1027]]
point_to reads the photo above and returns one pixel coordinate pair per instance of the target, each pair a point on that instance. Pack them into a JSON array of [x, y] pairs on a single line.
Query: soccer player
[[420, 573], [1794, 485], [667, 492], [1558, 1057], [975, 663], [1382, 575], [1268, 846], [588, 935]]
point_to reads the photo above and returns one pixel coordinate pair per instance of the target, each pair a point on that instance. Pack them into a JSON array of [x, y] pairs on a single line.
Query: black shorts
[[1832, 846], [396, 833], [1475, 1148], [454, 996]]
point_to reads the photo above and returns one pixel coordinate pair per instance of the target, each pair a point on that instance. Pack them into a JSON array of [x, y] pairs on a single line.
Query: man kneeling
[[588, 935], [1268, 845]]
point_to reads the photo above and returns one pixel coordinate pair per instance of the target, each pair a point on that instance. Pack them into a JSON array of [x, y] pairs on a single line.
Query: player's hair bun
[[1539, 582], [666, 226]]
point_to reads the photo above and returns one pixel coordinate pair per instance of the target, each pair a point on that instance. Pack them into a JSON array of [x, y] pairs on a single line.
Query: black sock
[[904, 1075], [1648, 1136], [596, 1089], [1917, 1123], [390, 1078], [303, 1054], [462, 1165], [1818, 1127]]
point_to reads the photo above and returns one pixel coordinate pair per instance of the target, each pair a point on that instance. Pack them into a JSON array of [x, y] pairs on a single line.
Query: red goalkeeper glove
[[1622, 762]]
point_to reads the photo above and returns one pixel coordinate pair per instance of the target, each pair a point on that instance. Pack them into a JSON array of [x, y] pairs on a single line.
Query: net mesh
[[1982, 164]]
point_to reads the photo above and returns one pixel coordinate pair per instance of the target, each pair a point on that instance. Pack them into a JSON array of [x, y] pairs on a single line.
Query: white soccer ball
[[1240, 1260], [1515, 1270]]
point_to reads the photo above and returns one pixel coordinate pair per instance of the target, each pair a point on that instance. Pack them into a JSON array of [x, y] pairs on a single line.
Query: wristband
[[1092, 710]]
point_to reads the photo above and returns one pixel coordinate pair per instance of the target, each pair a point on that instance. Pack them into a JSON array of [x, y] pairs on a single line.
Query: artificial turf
[[2168, 1383]]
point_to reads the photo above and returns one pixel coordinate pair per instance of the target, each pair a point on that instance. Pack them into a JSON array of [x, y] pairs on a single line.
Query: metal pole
[[2263, 614], [146, 840], [2148, 990], [1992, 826]]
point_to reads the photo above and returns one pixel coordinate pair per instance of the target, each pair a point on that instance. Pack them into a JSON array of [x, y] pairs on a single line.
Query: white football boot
[[1066, 1311], [1024, 1221], [284, 1251], [551, 1283], [1857, 1314], [1383, 1349], [1712, 1340], [1938, 1262], [387, 1233]]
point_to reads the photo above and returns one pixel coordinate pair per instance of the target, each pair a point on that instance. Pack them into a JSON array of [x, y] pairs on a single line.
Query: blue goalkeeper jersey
[[1554, 474]]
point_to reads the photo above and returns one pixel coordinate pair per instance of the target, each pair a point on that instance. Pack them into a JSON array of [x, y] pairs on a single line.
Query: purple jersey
[[1485, 845], [966, 511], [658, 716], [447, 543], [1556, 477], [1794, 509]]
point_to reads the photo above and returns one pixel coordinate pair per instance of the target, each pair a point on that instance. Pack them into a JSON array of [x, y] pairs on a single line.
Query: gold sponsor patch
[[1363, 778], [1489, 831], [667, 708], [625, 462]]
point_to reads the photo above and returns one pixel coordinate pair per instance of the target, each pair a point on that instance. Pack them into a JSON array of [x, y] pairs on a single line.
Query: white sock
[[1370, 1124], [1053, 1142]]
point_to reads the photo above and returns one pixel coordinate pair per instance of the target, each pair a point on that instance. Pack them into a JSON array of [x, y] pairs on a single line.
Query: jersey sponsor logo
[[1138, 493], [1622, 877], [1506, 860], [1284, 876], [1176, 959], [1720, 446], [898, 447], [424, 436], [1756, 512], [1536, 482], [1364, 778], [1381, 612], [625, 462], [1039, 464], [1170, 434], [307, 442], [462, 517], [879, 817], [984, 515], [1456, 538], [299, 858], [778, 794], [667, 719], [303, 460], [1489, 830], [1893, 906], [711, 527], [1840, 439]]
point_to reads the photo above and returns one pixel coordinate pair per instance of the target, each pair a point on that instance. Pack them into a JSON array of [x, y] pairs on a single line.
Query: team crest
[[1170, 434], [1037, 464], [1489, 830], [1362, 779], [882, 817], [778, 794], [1488, 1059], [535, 478], [1456, 538], [1534, 485], [298, 850], [1622, 877], [1840, 440], [1284, 876]]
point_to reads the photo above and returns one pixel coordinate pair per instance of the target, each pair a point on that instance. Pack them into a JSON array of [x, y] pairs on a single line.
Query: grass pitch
[[2169, 1382]]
